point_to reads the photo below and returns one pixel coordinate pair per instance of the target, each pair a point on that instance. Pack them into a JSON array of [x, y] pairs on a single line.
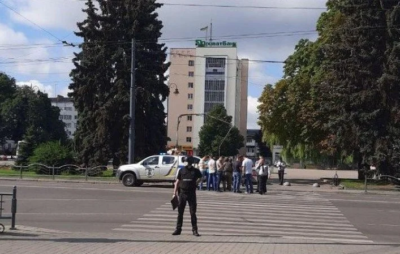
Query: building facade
[[251, 144], [206, 76], [68, 114]]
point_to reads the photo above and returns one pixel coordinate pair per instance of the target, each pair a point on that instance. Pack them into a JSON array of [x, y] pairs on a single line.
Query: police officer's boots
[[195, 232], [177, 231]]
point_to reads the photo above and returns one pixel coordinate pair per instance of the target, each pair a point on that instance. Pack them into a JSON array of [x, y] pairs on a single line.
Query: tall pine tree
[[101, 80], [355, 64], [388, 149]]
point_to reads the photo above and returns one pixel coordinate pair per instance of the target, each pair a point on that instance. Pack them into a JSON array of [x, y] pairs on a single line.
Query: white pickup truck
[[156, 168]]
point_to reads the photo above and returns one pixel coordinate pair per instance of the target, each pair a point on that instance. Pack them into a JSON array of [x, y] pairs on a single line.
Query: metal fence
[[67, 172], [11, 217]]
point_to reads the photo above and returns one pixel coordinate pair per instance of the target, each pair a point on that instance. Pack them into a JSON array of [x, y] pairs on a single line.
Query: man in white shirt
[[212, 167], [248, 171], [203, 165], [281, 170]]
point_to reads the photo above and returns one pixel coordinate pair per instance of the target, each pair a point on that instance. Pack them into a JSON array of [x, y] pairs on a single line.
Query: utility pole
[[131, 156]]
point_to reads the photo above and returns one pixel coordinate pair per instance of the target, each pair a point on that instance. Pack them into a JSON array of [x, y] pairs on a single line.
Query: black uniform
[[187, 177]]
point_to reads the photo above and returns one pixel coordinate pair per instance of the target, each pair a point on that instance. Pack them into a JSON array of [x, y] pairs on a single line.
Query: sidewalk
[[41, 241]]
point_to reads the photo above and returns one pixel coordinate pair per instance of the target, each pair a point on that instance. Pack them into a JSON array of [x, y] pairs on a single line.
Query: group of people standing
[[228, 173], [215, 171]]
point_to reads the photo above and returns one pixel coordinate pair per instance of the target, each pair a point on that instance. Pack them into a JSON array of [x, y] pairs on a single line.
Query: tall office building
[[207, 75]]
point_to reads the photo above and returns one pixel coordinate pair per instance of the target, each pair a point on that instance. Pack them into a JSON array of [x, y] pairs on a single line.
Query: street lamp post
[[202, 114], [176, 92], [132, 108]]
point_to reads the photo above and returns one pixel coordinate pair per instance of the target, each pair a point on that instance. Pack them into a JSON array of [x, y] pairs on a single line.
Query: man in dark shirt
[[187, 181]]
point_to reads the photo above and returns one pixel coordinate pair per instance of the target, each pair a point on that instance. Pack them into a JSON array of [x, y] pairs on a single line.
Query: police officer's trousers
[[281, 174], [189, 197]]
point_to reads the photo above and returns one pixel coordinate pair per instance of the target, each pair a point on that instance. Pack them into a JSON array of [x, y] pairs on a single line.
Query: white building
[[252, 151], [207, 75], [68, 114]]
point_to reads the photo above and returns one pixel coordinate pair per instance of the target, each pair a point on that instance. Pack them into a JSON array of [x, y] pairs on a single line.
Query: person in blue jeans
[[203, 169], [247, 167], [237, 174], [212, 168]]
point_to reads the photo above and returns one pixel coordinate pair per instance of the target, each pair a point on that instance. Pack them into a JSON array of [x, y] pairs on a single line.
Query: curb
[[58, 181]]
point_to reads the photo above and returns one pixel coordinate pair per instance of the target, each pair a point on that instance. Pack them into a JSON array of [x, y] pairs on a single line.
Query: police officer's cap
[[190, 160]]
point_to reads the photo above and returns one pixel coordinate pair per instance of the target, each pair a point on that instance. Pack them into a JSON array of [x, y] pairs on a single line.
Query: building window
[[189, 139], [191, 63], [189, 118], [215, 62], [249, 139], [189, 129], [68, 108], [67, 117], [190, 96], [190, 107], [76, 117], [68, 125], [190, 85], [191, 74]]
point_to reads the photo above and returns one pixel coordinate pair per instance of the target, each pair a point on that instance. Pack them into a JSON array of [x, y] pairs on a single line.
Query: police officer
[[187, 180]]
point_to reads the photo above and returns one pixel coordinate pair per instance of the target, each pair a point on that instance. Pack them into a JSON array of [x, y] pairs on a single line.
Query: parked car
[[156, 168]]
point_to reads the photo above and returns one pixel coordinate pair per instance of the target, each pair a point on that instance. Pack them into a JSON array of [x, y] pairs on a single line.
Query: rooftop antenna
[[211, 31]]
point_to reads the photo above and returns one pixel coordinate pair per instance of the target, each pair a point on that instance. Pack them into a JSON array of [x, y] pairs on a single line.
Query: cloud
[[49, 14], [21, 56], [252, 113], [37, 86], [50, 90]]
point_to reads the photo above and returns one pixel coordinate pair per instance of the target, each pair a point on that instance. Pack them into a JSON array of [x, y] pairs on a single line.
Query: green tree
[[101, 79], [356, 60], [387, 150], [213, 131], [30, 116], [8, 89]]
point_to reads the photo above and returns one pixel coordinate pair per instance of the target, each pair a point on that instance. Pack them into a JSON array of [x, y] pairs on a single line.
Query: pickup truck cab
[[156, 168]]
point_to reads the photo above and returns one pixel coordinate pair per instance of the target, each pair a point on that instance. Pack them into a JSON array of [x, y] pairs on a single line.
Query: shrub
[[52, 154]]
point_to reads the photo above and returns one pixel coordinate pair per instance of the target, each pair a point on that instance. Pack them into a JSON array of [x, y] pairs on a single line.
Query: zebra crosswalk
[[304, 215]]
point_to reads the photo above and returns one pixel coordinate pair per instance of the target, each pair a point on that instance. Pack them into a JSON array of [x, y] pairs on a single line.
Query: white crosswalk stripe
[[304, 215]]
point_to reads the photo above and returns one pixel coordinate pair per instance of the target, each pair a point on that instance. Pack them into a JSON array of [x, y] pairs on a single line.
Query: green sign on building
[[215, 44]]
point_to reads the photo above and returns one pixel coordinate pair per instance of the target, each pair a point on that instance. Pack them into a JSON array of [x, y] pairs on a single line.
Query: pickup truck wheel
[[138, 183], [129, 179]]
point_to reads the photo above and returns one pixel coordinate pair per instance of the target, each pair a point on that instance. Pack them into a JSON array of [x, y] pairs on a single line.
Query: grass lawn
[[9, 172], [371, 185]]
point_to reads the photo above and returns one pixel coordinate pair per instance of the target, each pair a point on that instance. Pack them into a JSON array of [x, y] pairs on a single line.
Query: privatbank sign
[[215, 44]]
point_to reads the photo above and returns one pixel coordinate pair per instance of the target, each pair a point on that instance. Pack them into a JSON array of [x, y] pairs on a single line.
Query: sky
[[31, 31]]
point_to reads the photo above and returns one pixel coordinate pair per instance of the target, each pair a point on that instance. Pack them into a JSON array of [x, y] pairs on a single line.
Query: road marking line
[[386, 225], [347, 228], [271, 206], [266, 209], [365, 201], [250, 220], [328, 239]]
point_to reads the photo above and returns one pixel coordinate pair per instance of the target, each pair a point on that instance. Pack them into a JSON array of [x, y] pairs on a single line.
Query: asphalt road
[[75, 207]]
